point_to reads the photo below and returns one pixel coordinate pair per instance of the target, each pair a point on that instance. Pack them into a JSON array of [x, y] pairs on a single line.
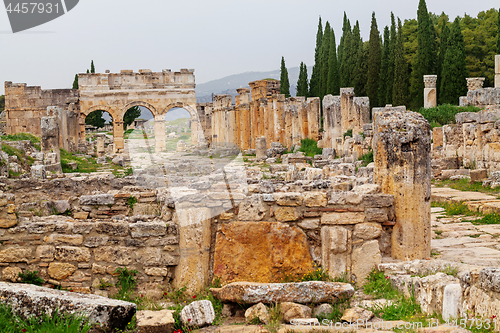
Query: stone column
[[245, 127], [301, 107], [474, 83], [402, 153], [50, 144], [346, 105], [497, 71], [288, 125], [430, 95], [313, 117], [100, 144], [260, 147], [279, 119], [118, 135], [361, 114], [160, 144], [296, 137]]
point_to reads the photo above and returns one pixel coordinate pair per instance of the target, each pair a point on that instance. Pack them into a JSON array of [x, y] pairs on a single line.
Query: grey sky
[[217, 37]]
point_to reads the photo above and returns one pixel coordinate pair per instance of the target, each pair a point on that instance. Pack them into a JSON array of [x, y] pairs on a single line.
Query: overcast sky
[[217, 37]]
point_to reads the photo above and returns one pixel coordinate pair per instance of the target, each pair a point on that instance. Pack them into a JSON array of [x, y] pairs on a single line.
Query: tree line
[[389, 67]]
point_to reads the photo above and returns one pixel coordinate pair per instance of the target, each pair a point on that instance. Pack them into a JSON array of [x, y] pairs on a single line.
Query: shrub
[[126, 283], [31, 278], [445, 113], [310, 147]]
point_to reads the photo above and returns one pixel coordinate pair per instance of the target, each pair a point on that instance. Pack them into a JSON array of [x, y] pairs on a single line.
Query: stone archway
[[84, 113], [197, 135]]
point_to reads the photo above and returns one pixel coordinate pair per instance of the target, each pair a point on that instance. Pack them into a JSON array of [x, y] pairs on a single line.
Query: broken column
[[260, 147], [360, 114], [50, 144], [346, 104], [402, 153], [331, 120], [497, 71], [474, 83], [100, 144], [160, 144], [313, 117], [243, 104], [430, 96]]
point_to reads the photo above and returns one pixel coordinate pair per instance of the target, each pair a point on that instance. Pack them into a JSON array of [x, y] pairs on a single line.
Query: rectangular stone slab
[[297, 292], [29, 300]]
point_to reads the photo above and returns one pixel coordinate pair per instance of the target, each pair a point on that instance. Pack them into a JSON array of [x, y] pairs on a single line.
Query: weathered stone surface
[[71, 253], [11, 274], [155, 321], [364, 259], [60, 271], [286, 214], [61, 206], [45, 252], [336, 246], [155, 257], [16, 254], [298, 292], [322, 310], [60, 238], [315, 199], [258, 311], [148, 229], [288, 199], [97, 200], [252, 209], [452, 297], [115, 229], [156, 271], [292, 310], [377, 200], [8, 220], [81, 215], [367, 231], [343, 218], [367, 189], [95, 241], [376, 215], [198, 313], [31, 300], [354, 314], [260, 251], [114, 254], [309, 224], [478, 175], [41, 227]]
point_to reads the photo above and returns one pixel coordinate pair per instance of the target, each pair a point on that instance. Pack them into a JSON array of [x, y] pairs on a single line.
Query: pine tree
[[445, 32], [384, 69], [400, 85], [453, 83], [426, 57], [75, 82], [344, 50], [92, 68], [391, 63], [315, 76], [374, 63], [284, 83], [324, 58], [302, 84], [333, 86]]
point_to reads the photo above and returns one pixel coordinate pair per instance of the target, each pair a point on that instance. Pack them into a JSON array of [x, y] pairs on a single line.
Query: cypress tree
[[324, 56], [75, 82], [361, 70], [453, 83], [315, 77], [284, 83], [355, 50], [445, 32], [88, 71], [391, 62], [426, 57], [92, 68], [333, 86], [374, 63], [344, 49], [498, 32], [400, 85], [302, 82], [384, 69]]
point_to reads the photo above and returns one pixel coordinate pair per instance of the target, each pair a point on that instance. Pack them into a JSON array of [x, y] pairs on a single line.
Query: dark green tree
[[132, 114], [390, 65], [284, 83], [361, 71], [354, 52], [2, 103], [384, 69], [453, 83], [498, 32], [92, 68], [344, 51], [95, 119], [75, 82], [443, 40], [302, 84], [400, 86], [426, 57], [88, 71], [333, 86], [324, 58], [374, 63], [315, 76]]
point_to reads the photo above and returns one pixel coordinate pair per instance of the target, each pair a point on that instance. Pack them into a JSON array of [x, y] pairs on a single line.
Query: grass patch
[[465, 185], [21, 137], [445, 113], [310, 147], [366, 158], [21, 156], [379, 286], [275, 318], [126, 283], [348, 133], [459, 208], [31, 278], [338, 309], [84, 165]]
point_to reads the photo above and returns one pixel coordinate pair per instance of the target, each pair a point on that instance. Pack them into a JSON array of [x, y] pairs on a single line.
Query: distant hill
[[229, 84]]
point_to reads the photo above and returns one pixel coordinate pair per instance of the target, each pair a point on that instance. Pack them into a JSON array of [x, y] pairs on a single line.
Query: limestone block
[[155, 257], [342, 218], [260, 251], [71, 253], [8, 220], [364, 259], [258, 311], [61, 206], [297, 292], [367, 231], [288, 199], [16, 254], [309, 224], [345, 198], [148, 229], [45, 252], [354, 314], [60, 271], [313, 174], [497, 64], [80, 215], [377, 200], [38, 171], [322, 310], [260, 147], [292, 311], [315, 199], [286, 214], [95, 241], [336, 244], [110, 228], [68, 239], [447, 174], [114, 254], [478, 175], [366, 189], [437, 137], [97, 200], [11, 274], [156, 271], [252, 209], [376, 215], [198, 313], [452, 297], [155, 321]]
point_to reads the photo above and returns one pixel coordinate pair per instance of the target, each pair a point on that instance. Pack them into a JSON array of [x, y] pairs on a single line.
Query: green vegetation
[[444, 114], [131, 201], [338, 309], [284, 82], [366, 158], [95, 119], [348, 133], [2, 103], [22, 136], [465, 185], [275, 318], [400, 83], [21, 156], [324, 59], [126, 283], [459, 208], [75, 82], [84, 164], [310, 147], [374, 63], [302, 85], [131, 114], [314, 83], [333, 84], [31, 278]]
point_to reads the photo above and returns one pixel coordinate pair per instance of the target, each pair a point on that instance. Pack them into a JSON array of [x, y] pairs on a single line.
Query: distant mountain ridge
[[229, 84]]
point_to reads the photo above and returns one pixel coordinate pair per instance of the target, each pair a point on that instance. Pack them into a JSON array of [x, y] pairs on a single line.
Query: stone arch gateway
[[157, 91]]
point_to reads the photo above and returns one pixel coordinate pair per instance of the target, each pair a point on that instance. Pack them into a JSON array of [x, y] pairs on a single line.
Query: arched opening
[[139, 130], [177, 129], [99, 121]]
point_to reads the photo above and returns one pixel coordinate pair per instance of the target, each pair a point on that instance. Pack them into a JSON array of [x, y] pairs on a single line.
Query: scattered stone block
[[155, 321], [322, 310], [352, 315], [198, 313], [367, 231], [452, 297], [342, 218], [292, 311], [11, 274], [478, 175], [258, 311]]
